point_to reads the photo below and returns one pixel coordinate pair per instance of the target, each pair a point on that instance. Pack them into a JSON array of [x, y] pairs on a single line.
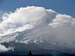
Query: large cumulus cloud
[[39, 25]]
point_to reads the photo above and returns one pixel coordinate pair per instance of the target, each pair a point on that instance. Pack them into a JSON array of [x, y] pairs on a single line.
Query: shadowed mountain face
[[23, 50]]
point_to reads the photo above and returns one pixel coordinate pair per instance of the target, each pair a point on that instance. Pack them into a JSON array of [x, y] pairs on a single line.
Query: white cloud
[[40, 24], [4, 49]]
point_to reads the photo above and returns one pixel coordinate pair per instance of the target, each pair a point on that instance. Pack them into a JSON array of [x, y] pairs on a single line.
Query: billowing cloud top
[[39, 25]]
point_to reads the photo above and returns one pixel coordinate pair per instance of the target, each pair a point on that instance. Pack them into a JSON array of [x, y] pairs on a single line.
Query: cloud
[[4, 49], [39, 25], [25, 18]]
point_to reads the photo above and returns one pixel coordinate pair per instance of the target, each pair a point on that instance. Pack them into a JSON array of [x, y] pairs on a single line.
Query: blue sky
[[61, 6]]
